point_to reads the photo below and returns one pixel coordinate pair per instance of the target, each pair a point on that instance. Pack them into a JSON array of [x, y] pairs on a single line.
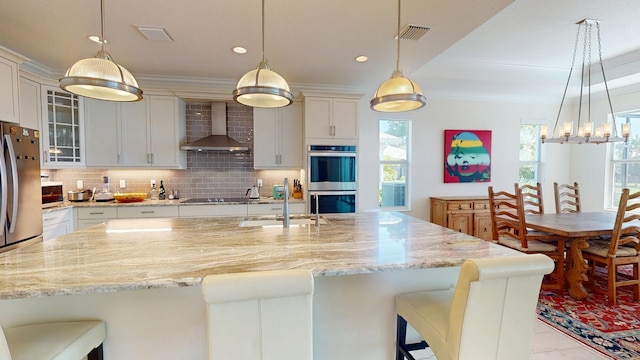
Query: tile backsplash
[[208, 173]]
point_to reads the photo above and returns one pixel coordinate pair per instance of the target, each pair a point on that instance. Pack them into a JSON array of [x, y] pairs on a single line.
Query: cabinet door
[[290, 136], [482, 226], [345, 119], [62, 135], [461, 221], [317, 117], [102, 133], [438, 212], [166, 131], [30, 107], [135, 134], [265, 135], [9, 95]]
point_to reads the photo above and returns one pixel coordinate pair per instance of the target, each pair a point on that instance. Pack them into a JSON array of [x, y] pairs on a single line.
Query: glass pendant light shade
[[263, 88], [101, 78], [398, 94]]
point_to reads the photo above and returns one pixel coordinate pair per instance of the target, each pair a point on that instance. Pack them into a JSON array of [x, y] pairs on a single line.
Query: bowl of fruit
[[130, 197]]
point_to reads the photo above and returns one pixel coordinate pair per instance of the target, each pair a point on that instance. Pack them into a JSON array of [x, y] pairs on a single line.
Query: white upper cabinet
[[142, 134], [330, 118], [30, 104], [277, 137], [62, 136], [9, 85]]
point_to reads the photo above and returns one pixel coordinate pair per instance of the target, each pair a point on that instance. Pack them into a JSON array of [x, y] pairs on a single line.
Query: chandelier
[[585, 130]]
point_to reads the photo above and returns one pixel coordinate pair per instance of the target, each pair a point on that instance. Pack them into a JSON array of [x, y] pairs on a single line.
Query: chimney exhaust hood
[[218, 140]]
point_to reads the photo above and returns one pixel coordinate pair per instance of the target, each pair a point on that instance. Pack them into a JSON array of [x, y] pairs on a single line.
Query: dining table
[[576, 228]]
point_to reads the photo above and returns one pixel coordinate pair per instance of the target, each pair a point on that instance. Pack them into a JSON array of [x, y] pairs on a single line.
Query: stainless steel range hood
[[218, 140]]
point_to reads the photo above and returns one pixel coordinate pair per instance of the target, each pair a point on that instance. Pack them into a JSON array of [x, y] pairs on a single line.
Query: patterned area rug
[[612, 330]]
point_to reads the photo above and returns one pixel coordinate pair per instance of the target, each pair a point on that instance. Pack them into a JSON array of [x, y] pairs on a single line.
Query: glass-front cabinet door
[[62, 138]]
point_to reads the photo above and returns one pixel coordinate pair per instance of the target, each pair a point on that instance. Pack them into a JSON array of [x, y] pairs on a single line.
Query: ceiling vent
[[155, 33], [413, 32]]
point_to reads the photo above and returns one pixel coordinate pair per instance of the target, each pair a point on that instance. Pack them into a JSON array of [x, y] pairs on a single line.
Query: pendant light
[[100, 77], [398, 93], [263, 87]]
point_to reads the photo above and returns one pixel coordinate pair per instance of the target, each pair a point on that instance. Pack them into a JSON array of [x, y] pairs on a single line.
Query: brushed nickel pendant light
[[398, 93], [263, 87], [100, 77]]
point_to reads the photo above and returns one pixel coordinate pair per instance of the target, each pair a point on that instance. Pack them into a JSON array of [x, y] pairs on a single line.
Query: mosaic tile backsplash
[[208, 173]]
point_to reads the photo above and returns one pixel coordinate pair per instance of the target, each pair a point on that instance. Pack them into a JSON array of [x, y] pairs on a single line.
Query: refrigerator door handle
[[3, 192], [14, 174]]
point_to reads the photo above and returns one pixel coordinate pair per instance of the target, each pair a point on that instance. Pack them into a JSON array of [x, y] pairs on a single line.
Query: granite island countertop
[[130, 254]]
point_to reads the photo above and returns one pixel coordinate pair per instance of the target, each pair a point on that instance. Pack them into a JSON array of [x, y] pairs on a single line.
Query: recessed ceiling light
[[239, 50], [96, 39], [361, 58]]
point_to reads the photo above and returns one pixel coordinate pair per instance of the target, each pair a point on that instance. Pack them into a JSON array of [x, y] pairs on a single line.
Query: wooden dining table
[[576, 228]]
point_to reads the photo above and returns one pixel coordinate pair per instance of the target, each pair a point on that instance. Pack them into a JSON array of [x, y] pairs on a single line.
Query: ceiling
[[474, 48]]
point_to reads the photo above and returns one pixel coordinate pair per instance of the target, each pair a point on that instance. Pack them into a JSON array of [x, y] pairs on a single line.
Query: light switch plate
[[80, 184], [153, 183], [122, 184]]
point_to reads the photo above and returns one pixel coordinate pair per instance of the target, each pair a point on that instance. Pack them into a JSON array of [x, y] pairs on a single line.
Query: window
[[394, 164], [625, 160], [530, 165]]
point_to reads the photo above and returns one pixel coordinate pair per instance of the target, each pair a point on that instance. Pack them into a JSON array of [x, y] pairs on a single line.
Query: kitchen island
[[142, 277]]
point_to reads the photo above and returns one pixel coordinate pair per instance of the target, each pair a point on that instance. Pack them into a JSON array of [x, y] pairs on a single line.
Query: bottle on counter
[[154, 192], [162, 194]]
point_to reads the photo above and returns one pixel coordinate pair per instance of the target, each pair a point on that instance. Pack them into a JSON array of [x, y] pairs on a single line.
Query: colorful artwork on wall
[[467, 156]]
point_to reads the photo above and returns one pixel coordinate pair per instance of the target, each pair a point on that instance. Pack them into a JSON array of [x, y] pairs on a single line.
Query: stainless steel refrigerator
[[20, 189]]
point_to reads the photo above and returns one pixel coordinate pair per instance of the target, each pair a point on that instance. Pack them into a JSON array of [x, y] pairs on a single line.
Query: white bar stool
[[489, 315], [68, 340], [263, 315]]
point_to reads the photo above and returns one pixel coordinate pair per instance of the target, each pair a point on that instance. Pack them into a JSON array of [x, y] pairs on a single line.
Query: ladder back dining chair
[[623, 248], [567, 197], [509, 229]]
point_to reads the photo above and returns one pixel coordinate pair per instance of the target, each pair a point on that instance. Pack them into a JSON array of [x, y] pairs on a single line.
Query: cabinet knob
[[485, 206], [459, 207]]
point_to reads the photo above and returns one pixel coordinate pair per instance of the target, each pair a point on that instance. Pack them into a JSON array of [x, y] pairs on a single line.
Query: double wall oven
[[332, 174]]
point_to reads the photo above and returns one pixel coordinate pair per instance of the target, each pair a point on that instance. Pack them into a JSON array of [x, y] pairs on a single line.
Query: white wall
[[427, 166]]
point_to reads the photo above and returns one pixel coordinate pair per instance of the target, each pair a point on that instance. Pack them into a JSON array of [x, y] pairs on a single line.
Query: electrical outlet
[[153, 183], [122, 184], [259, 182], [80, 184]]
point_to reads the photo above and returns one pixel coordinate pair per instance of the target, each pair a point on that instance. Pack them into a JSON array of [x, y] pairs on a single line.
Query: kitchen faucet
[[285, 209]]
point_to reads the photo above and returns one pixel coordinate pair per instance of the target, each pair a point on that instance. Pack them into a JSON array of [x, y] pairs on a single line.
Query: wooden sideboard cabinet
[[467, 214]]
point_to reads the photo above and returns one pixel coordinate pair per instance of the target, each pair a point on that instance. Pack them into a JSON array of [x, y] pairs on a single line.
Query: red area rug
[[611, 330]]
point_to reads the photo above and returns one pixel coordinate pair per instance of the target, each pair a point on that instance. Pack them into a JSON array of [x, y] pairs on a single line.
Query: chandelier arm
[[606, 87], [566, 87]]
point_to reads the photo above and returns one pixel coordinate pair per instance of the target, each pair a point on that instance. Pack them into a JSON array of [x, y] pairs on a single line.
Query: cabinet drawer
[[134, 212], [275, 209], [97, 213], [212, 210], [481, 205], [459, 205], [55, 216]]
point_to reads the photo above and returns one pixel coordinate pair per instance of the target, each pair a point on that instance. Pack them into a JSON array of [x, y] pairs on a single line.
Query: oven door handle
[[334, 154], [320, 193]]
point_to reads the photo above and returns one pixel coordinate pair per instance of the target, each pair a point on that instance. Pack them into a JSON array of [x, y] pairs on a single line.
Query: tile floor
[[548, 344]]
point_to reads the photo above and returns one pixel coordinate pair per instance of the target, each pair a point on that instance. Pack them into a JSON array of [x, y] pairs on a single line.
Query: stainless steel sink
[[277, 221]]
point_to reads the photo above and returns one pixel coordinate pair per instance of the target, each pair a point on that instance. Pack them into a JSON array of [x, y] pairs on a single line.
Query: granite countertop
[[131, 254], [148, 202]]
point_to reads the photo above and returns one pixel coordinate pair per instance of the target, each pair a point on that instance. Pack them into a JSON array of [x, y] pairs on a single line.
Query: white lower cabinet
[[136, 212], [275, 209], [212, 210], [56, 222], [88, 216]]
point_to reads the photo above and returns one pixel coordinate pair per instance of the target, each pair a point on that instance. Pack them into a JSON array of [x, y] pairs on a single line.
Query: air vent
[[413, 32], [155, 33]]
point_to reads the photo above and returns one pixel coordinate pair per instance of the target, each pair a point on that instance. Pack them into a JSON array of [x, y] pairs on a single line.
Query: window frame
[[406, 163], [538, 164], [611, 199]]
